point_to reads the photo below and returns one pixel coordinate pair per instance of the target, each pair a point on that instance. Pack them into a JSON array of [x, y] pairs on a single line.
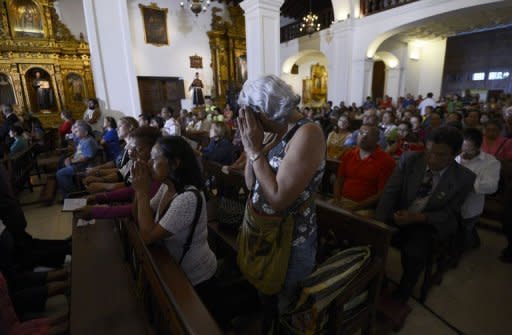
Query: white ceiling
[[462, 21]]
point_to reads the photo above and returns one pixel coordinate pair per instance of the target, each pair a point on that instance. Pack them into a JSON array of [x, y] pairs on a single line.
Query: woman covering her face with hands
[[178, 208], [282, 181]]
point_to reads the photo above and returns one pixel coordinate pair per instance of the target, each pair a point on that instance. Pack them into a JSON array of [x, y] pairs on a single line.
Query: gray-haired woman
[[284, 180]]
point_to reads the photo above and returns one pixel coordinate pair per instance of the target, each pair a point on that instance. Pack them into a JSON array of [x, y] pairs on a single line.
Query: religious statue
[[197, 91], [6, 91], [43, 92]]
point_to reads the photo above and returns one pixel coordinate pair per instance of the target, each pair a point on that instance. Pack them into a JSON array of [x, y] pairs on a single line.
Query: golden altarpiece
[[229, 55], [43, 67]]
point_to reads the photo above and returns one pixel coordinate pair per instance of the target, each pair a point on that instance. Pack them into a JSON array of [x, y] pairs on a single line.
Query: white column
[[340, 58], [263, 36], [111, 56], [361, 79]]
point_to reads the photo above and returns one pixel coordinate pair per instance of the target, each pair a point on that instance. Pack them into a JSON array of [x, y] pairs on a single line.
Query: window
[[498, 75], [478, 76]]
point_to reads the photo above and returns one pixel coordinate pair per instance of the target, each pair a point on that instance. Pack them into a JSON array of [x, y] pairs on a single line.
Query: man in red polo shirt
[[363, 172]]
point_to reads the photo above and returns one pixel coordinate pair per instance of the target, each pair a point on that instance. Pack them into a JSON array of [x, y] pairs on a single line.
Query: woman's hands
[[84, 213], [251, 132], [141, 177]]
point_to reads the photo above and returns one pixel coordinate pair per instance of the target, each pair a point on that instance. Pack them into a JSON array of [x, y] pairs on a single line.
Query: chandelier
[[196, 6], [310, 22]]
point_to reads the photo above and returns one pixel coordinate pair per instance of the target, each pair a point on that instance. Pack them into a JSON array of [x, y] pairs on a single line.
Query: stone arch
[[388, 58], [290, 61]]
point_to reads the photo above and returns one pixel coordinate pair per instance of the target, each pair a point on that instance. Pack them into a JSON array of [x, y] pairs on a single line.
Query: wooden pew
[[102, 291], [169, 299], [19, 166], [329, 178], [352, 230], [202, 138]]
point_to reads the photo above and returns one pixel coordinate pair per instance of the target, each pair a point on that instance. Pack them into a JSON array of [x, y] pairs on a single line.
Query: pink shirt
[[501, 148]]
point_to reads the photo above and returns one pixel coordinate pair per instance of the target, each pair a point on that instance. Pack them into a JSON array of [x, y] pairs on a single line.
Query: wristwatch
[[254, 157]]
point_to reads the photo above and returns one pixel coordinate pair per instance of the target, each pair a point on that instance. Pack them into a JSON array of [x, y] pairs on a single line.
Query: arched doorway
[[307, 73], [378, 79]]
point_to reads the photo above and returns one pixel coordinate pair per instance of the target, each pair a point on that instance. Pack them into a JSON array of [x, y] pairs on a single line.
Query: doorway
[[378, 79]]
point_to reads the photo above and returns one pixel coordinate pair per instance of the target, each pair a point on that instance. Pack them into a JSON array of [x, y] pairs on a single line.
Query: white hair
[[269, 95]]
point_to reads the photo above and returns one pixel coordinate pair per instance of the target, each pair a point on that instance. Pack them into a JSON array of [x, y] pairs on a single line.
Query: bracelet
[[253, 158]]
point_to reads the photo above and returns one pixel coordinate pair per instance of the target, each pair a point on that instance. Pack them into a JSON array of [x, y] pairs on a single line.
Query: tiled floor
[[474, 298]]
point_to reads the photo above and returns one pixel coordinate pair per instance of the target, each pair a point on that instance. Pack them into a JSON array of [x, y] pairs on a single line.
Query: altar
[[43, 68]]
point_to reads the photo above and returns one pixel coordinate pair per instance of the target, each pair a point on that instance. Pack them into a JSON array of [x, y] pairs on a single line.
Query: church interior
[[255, 167]]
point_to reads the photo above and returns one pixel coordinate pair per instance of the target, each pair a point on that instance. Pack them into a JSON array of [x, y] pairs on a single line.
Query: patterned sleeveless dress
[[305, 218]]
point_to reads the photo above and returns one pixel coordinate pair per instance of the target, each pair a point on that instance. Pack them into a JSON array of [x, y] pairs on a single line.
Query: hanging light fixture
[[196, 6], [310, 22]]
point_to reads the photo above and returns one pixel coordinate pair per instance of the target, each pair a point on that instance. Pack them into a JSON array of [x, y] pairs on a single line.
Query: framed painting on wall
[[155, 24]]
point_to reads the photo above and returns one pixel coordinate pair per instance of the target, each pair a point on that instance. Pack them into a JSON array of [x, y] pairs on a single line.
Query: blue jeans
[[301, 264], [65, 180]]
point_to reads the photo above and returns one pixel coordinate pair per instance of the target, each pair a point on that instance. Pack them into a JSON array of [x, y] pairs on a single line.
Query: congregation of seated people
[[424, 167]]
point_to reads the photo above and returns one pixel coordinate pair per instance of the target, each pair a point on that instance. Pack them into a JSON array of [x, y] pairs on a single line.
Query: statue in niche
[[44, 94], [76, 87], [6, 91]]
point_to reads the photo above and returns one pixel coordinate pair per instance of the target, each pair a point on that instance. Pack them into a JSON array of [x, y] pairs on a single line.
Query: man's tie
[[425, 188]]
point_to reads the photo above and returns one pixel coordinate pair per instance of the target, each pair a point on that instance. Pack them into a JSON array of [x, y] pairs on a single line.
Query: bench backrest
[[171, 303], [18, 167], [352, 229]]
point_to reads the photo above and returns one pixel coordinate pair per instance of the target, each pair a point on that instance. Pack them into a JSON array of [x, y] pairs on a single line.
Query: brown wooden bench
[[169, 299], [349, 230], [18, 167], [103, 297], [329, 177], [202, 138]]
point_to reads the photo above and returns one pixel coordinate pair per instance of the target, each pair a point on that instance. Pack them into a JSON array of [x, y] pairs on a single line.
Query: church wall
[[187, 37], [431, 66], [71, 13]]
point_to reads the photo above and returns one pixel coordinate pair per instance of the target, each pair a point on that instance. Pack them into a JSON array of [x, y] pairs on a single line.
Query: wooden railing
[[369, 7], [292, 31]]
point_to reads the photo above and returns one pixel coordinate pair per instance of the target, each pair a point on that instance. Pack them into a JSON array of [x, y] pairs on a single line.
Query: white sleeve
[[180, 214], [156, 198]]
